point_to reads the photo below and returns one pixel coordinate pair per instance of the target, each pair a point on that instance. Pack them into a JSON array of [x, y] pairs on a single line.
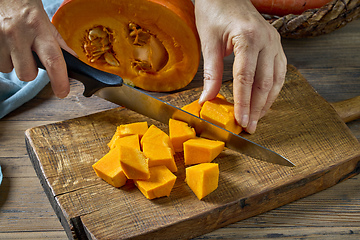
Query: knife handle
[[92, 78]]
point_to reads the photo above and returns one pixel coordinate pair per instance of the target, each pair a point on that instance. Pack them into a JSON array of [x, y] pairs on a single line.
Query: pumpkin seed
[[110, 59]]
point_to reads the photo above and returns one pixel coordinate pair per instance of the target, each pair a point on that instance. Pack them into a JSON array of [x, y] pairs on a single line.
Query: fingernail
[[202, 97], [244, 121], [62, 94], [252, 127]]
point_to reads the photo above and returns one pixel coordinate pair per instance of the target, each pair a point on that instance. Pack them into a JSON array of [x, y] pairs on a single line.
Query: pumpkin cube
[[202, 178], [159, 155], [201, 150], [179, 133], [123, 130], [159, 184], [221, 113], [133, 162], [108, 168], [155, 135], [130, 141], [193, 108]]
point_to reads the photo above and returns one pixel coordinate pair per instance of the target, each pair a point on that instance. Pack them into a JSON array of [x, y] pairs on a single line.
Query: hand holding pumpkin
[[259, 66], [25, 27]]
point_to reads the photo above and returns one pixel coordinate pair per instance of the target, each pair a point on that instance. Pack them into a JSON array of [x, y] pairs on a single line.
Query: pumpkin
[[133, 162], [108, 168], [151, 44], [180, 132], [130, 141], [193, 108], [284, 7], [138, 128], [159, 155], [201, 150], [156, 135], [202, 178], [159, 184], [221, 113]]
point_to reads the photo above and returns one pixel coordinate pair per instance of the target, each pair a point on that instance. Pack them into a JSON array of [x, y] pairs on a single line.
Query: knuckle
[[53, 61], [265, 85]]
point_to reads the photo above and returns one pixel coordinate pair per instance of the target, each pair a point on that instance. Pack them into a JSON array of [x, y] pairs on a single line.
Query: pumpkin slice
[[124, 130], [133, 162], [108, 168], [201, 150], [159, 155], [152, 44], [220, 112], [179, 133], [155, 135], [130, 141], [159, 184], [202, 178]]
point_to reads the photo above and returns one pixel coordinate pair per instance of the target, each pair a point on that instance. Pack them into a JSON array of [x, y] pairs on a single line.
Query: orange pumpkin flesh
[[159, 184], [179, 133], [134, 163], [152, 44], [108, 168], [202, 178], [201, 150]]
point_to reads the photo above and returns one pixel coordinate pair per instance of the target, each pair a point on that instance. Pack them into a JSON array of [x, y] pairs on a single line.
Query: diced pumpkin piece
[[201, 150], [179, 133], [108, 168], [138, 128], [202, 178], [159, 155], [193, 108], [159, 184], [123, 130], [155, 135], [133, 162], [221, 113], [130, 141]]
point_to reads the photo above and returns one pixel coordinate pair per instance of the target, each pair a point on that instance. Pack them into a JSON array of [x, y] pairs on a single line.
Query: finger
[[213, 70], [279, 79], [243, 71], [6, 65], [23, 61], [263, 83], [51, 57]]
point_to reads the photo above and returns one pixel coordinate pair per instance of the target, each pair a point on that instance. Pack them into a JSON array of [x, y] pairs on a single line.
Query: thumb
[[213, 70]]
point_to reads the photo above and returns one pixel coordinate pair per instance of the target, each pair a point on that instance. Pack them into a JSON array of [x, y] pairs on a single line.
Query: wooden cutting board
[[301, 126]]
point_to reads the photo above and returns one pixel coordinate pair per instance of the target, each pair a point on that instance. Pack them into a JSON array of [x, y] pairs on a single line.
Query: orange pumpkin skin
[[173, 51]]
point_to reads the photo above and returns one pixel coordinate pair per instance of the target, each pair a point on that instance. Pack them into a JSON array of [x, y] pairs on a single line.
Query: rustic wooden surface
[[330, 63]]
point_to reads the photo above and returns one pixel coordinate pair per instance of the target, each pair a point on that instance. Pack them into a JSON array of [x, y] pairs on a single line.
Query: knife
[[111, 87]]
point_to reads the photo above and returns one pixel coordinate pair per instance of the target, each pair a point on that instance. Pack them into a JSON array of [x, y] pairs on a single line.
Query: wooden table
[[331, 63]]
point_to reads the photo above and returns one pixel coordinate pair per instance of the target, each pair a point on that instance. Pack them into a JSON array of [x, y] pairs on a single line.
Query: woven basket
[[315, 22]]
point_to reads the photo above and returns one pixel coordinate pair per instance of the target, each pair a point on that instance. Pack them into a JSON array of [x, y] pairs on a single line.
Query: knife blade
[[111, 87]]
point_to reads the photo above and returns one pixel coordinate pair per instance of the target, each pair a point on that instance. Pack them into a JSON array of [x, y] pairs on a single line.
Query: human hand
[[25, 27], [259, 66]]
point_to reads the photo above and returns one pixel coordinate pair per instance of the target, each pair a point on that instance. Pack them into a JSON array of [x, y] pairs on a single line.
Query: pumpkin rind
[[172, 23]]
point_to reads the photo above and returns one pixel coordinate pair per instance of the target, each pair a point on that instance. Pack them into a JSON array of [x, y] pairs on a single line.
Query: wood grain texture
[[301, 125]]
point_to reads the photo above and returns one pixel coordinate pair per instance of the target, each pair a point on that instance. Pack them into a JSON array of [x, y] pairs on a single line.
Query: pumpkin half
[[151, 44]]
